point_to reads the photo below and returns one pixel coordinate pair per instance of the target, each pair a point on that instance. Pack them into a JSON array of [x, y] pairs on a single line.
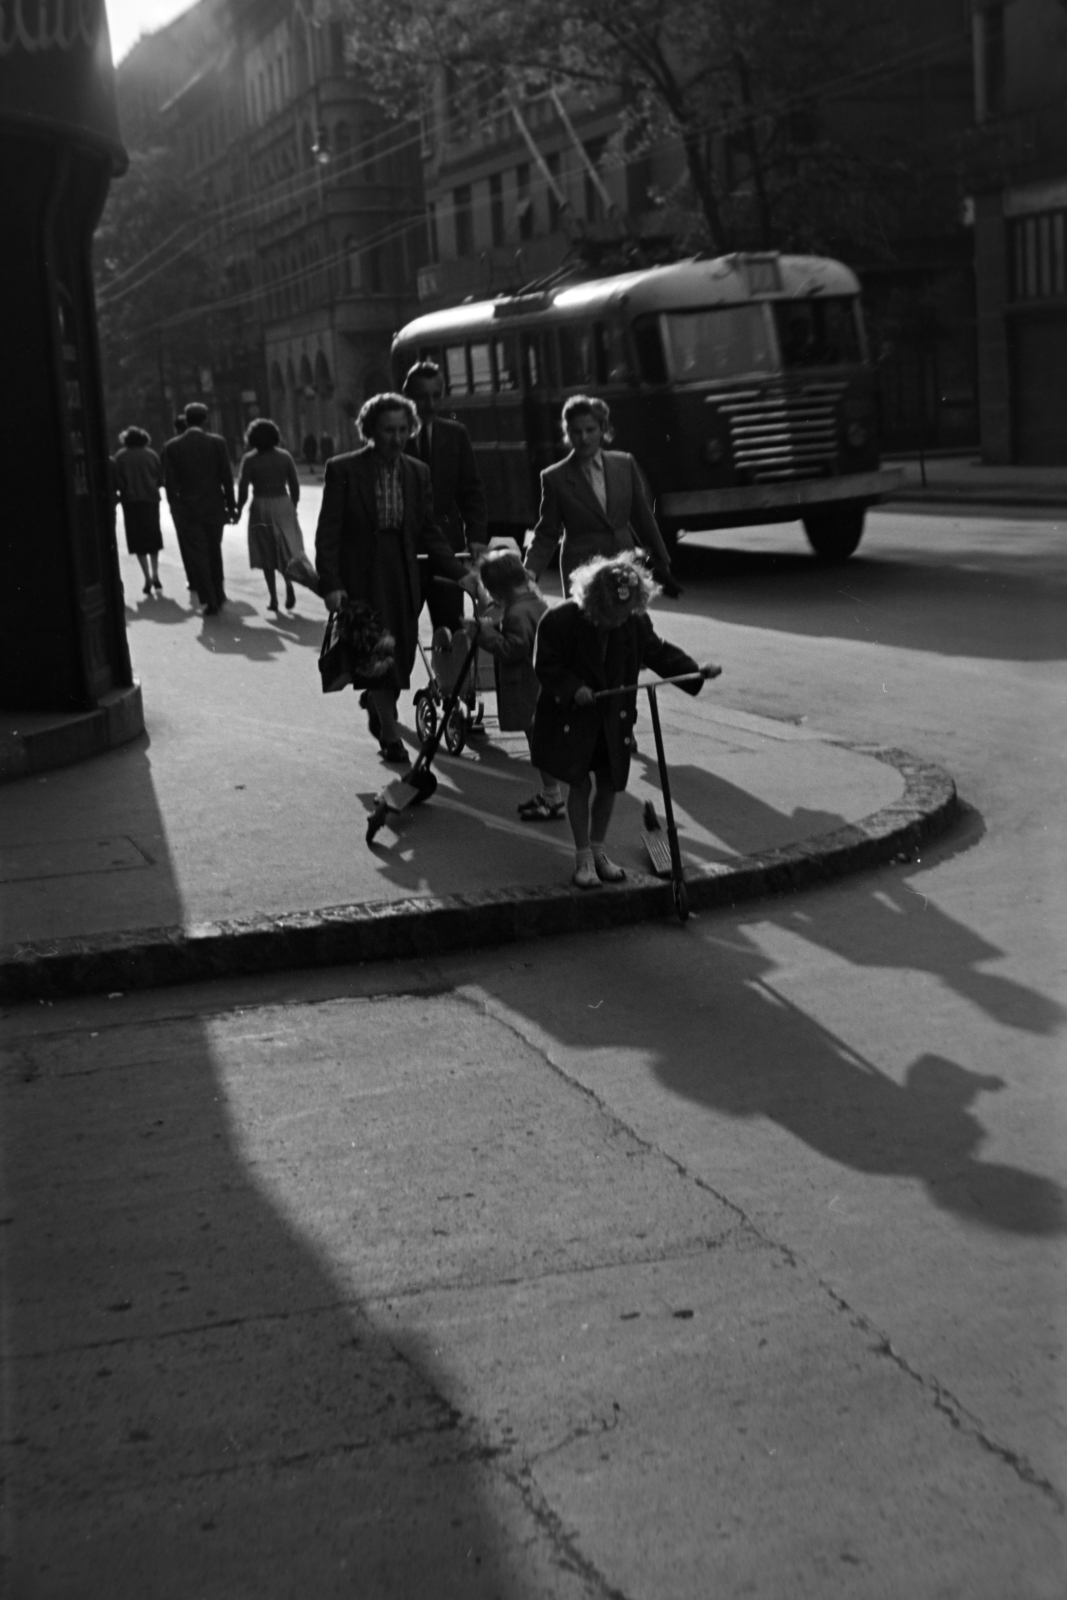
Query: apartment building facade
[[1020, 72], [313, 206]]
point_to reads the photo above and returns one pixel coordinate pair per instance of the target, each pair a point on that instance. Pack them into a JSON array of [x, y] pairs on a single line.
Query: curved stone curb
[[429, 926]]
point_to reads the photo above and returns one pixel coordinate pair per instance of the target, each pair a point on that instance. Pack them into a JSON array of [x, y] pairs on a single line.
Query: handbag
[[355, 649]]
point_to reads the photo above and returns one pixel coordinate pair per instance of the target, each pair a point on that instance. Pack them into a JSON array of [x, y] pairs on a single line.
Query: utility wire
[[721, 124]]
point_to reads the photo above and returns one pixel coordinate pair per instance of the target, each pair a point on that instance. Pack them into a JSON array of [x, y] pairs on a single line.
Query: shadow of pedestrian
[[227, 635], [740, 1047], [162, 609]]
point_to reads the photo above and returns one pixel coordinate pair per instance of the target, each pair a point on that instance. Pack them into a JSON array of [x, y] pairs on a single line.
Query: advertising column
[[62, 626]]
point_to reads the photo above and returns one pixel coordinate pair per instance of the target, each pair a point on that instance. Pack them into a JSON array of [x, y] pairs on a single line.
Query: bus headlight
[[713, 452], [856, 434]]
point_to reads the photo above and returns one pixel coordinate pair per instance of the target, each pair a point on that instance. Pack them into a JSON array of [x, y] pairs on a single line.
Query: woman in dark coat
[[376, 518], [269, 473], [599, 639], [138, 478]]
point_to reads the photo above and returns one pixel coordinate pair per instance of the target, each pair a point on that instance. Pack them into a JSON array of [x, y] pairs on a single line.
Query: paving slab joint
[[427, 925]]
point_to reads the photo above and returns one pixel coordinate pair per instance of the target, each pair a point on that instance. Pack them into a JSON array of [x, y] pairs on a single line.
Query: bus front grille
[[782, 432]]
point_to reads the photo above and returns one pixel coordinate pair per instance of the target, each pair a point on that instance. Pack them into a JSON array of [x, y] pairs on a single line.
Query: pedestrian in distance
[[326, 447], [598, 639], [310, 448], [593, 502], [511, 644], [199, 484], [268, 474], [138, 478], [375, 520]]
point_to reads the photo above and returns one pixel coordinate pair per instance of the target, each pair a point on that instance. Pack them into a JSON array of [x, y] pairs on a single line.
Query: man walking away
[[199, 482]]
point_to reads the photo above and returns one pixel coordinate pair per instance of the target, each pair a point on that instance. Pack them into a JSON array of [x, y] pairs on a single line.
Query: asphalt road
[[717, 1261]]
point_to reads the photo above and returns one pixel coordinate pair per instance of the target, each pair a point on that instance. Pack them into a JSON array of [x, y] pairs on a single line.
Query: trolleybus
[[741, 383]]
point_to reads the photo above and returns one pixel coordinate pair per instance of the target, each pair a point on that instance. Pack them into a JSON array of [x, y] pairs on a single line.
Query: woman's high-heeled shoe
[[290, 597], [157, 585], [147, 588]]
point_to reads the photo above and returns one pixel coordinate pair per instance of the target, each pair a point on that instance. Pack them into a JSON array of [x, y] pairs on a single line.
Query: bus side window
[[531, 363], [612, 360], [648, 341], [576, 357], [481, 369], [506, 364], [456, 369]]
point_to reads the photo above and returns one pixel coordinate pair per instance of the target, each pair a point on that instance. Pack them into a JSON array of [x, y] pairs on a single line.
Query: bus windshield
[[717, 343], [818, 333]]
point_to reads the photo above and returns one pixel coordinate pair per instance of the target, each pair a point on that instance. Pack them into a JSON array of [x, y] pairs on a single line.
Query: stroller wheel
[[456, 729], [425, 716]]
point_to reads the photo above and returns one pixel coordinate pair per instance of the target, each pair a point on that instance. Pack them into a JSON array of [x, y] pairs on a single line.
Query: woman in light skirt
[[268, 473]]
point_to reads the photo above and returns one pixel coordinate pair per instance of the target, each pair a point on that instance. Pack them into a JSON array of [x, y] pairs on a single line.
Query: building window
[[523, 203], [464, 221], [431, 230], [1037, 256], [496, 208]]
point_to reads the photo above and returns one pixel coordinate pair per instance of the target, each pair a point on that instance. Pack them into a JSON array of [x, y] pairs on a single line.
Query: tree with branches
[[760, 96]]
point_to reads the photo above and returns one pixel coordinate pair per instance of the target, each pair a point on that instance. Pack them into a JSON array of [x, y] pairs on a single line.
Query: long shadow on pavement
[[194, 1404], [740, 1047]]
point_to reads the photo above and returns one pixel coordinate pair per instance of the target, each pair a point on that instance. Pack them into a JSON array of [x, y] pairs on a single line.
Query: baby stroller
[[448, 658]]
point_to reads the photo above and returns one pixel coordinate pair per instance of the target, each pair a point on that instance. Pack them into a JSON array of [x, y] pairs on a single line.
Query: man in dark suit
[[199, 483], [459, 503]]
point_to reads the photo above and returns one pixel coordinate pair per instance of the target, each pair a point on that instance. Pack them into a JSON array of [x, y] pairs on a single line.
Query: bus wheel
[[835, 533]]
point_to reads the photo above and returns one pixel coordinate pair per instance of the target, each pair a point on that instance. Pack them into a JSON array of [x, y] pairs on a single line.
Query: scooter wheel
[[456, 730], [681, 899], [425, 717]]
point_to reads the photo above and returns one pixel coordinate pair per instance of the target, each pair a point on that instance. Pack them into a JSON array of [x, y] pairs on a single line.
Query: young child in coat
[[511, 644]]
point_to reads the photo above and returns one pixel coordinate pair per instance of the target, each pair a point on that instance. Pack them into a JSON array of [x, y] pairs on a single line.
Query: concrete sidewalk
[[232, 836], [967, 480]]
